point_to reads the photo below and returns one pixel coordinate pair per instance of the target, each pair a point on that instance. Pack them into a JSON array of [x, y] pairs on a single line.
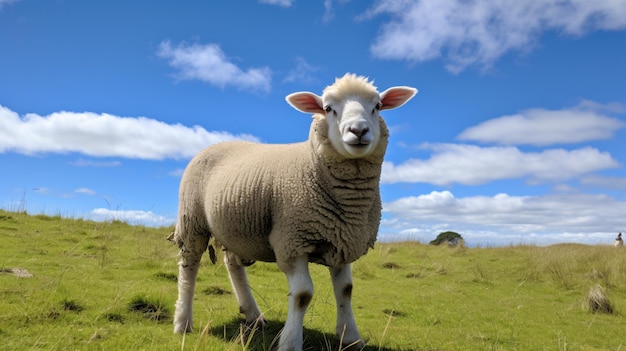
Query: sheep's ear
[[396, 97], [306, 102]]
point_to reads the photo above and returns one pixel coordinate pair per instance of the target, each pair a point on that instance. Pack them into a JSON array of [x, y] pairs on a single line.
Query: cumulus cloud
[[104, 135], [208, 63], [281, 3], [479, 32], [540, 127], [473, 165], [506, 219], [135, 217]]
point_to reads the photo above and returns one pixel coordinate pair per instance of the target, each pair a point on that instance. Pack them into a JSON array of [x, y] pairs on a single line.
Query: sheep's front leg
[[239, 281], [300, 295], [187, 273], [346, 325]]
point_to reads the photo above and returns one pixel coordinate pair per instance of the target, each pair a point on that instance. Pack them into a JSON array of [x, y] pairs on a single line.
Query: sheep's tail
[[212, 255]]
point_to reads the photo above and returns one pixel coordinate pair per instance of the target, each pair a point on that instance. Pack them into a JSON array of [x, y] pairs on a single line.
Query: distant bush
[[450, 238]]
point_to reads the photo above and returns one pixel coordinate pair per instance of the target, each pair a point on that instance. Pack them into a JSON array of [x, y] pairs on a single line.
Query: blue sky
[[516, 136]]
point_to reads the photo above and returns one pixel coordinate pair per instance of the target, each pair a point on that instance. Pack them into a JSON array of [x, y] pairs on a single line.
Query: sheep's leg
[[346, 325], [187, 273], [300, 295], [239, 281]]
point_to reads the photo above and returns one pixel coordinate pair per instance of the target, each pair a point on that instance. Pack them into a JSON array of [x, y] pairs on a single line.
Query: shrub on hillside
[[450, 238], [597, 300]]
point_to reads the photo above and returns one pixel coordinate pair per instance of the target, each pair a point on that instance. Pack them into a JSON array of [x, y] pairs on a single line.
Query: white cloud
[[208, 63], [473, 165], [281, 3], [104, 135], [136, 217], [504, 219], [540, 127], [85, 191], [479, 32]]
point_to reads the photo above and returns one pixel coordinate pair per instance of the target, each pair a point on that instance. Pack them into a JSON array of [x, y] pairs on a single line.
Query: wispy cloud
[[504, 219], [467, 33], [85, 191], [104, 135], [328, 11], [281, 3], [302, 73], [6, 2], [176, 173], [540, 127], [208, 63], [91, 163], [618, 183], [147, 218], [473, 165]]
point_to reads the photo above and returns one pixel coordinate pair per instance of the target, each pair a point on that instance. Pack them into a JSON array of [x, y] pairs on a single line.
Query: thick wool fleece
[[277, 202]]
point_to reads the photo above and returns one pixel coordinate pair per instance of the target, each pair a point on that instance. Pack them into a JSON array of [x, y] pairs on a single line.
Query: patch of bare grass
[[215, 290], [150, 309]]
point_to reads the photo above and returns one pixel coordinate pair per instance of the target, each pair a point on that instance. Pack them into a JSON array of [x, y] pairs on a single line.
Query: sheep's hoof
[[181, 329], [354, 346], [249, 328], [259, 322]]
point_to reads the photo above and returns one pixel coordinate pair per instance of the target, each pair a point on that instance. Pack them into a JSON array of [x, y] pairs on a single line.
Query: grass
[[112, 286]]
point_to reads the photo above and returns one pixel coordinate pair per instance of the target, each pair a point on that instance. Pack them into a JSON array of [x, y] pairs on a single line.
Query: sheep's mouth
[[358, 142]]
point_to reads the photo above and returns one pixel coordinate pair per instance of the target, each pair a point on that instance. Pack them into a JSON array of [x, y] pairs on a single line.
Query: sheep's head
[[351, 108]]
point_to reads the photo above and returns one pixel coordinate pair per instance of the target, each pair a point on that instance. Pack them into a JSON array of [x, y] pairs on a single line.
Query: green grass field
[[112, 286]]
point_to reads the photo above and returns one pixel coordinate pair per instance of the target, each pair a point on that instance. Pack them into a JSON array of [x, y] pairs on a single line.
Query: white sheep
[[618, 241], [315, 201]]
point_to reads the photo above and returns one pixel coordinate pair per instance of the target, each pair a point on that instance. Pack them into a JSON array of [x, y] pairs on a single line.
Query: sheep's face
[[353, 124], [351, 108]]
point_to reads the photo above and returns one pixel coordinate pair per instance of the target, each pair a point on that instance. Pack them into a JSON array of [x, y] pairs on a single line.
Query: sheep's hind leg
[[187, 273], [300, 295], [239, 281], [346, 325]]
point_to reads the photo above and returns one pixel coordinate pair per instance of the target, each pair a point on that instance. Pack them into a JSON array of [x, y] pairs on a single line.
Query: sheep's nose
[[359, 132]]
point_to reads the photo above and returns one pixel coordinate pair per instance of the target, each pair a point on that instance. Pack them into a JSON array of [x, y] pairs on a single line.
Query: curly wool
[[277, 202]]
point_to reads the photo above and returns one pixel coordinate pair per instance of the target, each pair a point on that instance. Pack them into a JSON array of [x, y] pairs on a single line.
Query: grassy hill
[[112, 286]]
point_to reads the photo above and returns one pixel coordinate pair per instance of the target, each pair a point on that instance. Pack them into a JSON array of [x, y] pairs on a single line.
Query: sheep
[[315, 201], [618, 241]]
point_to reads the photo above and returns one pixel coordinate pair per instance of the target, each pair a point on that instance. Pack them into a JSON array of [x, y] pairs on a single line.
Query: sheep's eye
[[328, 109], [377, 107]]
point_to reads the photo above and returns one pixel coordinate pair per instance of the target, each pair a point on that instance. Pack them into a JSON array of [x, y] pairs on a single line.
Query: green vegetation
[[112, 286], [450, 238]]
